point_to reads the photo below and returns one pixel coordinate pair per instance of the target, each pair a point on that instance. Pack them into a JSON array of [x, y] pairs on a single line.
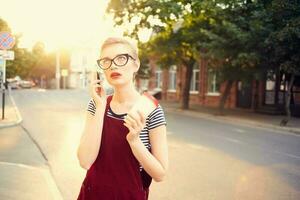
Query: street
[[208, 159]]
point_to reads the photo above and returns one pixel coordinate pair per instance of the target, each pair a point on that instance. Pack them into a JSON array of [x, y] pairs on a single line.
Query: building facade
[[206, 89]]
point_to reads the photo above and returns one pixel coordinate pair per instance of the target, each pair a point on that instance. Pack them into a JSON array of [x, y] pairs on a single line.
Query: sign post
[[7, 41]]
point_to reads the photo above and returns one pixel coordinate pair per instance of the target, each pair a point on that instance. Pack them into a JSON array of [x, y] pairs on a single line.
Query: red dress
[[115, 174]]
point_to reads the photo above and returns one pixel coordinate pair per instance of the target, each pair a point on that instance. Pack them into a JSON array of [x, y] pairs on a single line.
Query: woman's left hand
[[135, 122]]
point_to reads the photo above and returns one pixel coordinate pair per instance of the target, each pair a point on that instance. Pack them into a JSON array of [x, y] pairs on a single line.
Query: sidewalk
[[12, 116], [236, 116], [24, 172]]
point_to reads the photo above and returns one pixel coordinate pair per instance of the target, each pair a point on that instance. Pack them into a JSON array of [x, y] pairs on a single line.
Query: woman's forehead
[[115, 49]]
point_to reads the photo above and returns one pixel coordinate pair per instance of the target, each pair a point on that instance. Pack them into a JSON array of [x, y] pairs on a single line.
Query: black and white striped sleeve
[[91, 108], [157, 118]]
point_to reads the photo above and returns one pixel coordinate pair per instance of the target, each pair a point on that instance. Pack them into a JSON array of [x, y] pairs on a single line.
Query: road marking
[[287, 154], [198, 147], [239, 130], [234, 140]]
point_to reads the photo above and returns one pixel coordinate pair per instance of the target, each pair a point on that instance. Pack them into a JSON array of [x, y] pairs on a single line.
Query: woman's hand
[[97, 92], [135, 122]]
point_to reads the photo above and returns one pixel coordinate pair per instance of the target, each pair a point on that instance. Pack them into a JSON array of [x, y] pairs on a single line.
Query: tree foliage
[[242, 39]]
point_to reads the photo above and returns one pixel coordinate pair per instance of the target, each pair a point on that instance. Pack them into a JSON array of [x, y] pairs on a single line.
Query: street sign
[[7, 41], [7, 55]]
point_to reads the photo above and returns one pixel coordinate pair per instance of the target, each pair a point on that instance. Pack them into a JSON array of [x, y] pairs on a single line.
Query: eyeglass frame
[[112, 60]]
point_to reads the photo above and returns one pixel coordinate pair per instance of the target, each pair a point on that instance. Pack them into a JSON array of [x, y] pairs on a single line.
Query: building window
[[158, 79], [172, 79], [195, 80], [213, 85]]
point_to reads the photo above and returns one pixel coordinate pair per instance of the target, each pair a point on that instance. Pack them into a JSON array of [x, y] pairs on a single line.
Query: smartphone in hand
[[98, 76]]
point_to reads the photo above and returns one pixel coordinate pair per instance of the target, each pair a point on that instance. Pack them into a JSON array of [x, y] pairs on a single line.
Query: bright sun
[[58, 23]]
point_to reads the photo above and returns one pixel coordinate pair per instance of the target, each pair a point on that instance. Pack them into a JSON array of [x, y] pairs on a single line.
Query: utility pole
[[57, 74]]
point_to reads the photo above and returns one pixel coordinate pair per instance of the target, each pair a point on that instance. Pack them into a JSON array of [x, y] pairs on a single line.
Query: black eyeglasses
[[120, 60]]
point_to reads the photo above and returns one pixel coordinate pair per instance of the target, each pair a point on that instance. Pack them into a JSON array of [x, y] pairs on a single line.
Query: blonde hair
[[121, 40]]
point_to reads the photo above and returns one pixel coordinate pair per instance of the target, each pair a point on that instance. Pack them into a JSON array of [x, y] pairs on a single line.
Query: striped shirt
[[155, 119]]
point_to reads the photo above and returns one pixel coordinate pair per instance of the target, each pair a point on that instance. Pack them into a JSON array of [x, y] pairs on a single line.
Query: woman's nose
[[113, 66]]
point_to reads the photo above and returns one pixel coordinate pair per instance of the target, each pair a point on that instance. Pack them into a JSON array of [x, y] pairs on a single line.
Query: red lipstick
[[115, 74]]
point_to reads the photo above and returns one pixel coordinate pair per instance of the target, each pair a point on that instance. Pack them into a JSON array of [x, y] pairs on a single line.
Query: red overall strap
[[115, 174]]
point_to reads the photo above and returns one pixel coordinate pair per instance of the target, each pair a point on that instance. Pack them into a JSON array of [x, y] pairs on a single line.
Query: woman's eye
[[121, 58], [106, 61]]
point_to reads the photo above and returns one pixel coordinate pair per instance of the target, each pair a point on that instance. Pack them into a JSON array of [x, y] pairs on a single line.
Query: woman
[[122, 151]]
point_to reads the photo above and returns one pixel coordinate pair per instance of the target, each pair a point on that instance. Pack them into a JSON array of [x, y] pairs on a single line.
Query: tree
[[186, 31], [44, 66], [168, 45], [4, 26], [234, 41], [230, 34], [23, 61], [283, 44]]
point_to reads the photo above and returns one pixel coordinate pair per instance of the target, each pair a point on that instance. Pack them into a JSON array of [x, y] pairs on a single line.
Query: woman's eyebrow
[[106, 57]]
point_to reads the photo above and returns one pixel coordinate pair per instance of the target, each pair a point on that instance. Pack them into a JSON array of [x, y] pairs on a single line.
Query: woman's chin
[[118, 82]]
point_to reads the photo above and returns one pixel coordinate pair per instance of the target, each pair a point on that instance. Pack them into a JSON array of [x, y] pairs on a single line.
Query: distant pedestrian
[[121, 151]]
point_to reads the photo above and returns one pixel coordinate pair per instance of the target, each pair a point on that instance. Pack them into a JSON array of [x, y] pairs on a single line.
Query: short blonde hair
[[121, 40]]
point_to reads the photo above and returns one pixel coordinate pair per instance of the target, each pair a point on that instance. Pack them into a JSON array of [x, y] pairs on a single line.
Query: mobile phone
[[98, 77]]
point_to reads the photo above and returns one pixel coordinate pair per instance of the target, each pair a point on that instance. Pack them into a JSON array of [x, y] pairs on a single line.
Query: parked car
[[13, 84], [26, 84]]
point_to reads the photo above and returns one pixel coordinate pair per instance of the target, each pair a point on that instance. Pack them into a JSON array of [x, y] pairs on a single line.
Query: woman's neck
[[125, 94]]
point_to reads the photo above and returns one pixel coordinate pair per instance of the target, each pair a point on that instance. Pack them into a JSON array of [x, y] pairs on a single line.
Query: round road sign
[[7, 41]]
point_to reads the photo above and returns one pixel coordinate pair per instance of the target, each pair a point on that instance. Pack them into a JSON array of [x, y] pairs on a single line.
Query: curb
[[19, 117], [294, 131]]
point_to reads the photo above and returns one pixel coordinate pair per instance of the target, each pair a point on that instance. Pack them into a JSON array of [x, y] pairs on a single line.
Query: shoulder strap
[[108, 100]]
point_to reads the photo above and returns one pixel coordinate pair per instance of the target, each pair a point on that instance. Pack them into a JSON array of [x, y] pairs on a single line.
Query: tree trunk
[[224, 96], [288, 101], [187, 85], [256, 95]]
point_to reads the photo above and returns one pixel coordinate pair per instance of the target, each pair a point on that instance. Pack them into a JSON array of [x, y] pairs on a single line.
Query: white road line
[[239, 130], [198, 147], [233, 140], [287, 154]]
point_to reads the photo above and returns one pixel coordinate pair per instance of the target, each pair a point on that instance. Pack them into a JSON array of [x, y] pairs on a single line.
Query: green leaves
[[244, 35]]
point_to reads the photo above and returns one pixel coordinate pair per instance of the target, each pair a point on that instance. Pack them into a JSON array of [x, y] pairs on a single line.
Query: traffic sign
[[7, 41], [7, 55]]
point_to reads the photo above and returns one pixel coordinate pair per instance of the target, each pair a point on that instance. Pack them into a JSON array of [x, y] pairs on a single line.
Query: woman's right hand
[[97, 91]]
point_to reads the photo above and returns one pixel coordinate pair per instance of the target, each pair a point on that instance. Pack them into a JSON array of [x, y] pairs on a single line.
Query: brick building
[[263, 96]]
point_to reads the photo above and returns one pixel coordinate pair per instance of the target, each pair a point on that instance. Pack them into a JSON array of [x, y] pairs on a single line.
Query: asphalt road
[[209, 159]]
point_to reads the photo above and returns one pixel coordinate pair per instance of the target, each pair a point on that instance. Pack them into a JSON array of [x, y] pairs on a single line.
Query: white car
[[26, 84]]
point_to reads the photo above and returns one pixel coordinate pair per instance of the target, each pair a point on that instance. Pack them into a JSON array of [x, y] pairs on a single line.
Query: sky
[[59, 23]]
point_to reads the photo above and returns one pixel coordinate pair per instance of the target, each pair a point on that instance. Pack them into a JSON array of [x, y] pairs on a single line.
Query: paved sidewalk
[[240, 116], [24, 172], [12, 116]]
